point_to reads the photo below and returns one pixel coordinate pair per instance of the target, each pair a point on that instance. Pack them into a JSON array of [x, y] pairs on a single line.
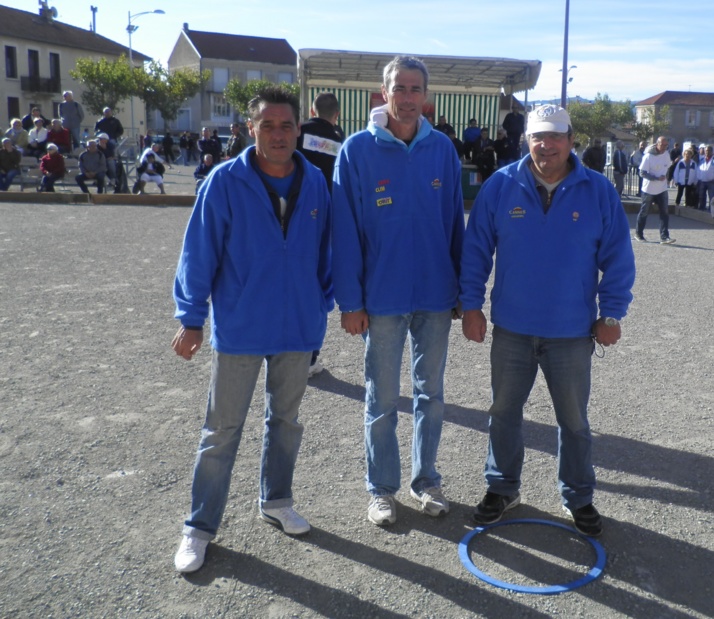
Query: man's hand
[[474, 325], [355, 323], [604, 335], [187, 342]]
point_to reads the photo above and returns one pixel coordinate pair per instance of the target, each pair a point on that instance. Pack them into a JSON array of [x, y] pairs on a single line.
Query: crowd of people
[[376, 226]]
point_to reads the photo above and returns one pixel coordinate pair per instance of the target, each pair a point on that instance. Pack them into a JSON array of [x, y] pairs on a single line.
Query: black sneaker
[[640, 238], [491, 508], [667, 241], [587, 520]]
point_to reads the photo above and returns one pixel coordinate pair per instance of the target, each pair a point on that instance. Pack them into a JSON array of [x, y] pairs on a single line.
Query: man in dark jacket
[[10, 159], [594, 156], [110, 125]]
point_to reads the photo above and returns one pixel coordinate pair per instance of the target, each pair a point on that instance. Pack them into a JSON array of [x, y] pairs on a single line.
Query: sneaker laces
[[382, 503]]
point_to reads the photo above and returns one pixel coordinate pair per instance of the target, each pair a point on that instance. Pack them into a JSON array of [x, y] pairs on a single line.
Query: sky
[[627, 50]]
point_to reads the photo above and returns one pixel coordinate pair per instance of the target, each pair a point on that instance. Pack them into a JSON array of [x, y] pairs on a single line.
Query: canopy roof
[[446, 73]]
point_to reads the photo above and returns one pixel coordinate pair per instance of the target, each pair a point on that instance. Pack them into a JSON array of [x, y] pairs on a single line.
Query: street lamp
[[131, 30], [569, 80], [564, 86]]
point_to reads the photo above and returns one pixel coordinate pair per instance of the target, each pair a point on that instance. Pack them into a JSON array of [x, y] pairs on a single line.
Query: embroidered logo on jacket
[[313, 213], [576, 215], [384, 201], [436, 183], [517, 213], [321, 145]]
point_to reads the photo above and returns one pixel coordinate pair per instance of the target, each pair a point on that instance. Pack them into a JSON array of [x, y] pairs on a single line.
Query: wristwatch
[[610, 322]]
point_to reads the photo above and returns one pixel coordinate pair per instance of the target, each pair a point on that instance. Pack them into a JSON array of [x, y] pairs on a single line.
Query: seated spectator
[[18, 135], [203, 170], [60, 135], [443, 126], [37, 140], [52, 168], [28, 121], [458, 144], [502, 147], [10, 159], [484, 155], [108, 149], [471, 134], [210, 144], [110, 125], [150, 170], [92, 167]]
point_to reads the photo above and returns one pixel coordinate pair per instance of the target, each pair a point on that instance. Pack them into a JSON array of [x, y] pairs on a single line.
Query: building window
[[33, 62], [219, 107], [253, 75], [220, 79], [10, 61], [711, 118], [13, 107], [54, 66], [691, 118], [285, 77]]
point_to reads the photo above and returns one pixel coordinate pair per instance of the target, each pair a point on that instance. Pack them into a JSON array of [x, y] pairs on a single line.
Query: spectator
[[193, 152], [458, 144], [167, 143], [706, 179], [471, 134], [514, 124], [60, 135], [484, 155], [108, 148], [674, 156], [37, 140], [148, 140], [28, 121], [443, 126], [52, 168], [594, 156], [636, 162], [501, 146], [686, 177], [19, 137], [619, 167], [72, 116], [110, 125], [236, 143], [210, 144], [203, 170], [150, 171], [92, 167], [653, 170], [10, 158], [183, 147], [152, 150]]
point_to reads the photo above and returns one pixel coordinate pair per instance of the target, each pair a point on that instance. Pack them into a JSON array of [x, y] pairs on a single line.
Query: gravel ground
[[101, 422]]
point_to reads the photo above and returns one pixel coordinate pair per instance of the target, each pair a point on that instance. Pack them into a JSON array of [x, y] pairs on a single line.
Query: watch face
[[611, 322]]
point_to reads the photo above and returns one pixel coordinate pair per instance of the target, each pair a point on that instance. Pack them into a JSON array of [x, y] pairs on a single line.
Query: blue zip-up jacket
[[554, 268], [398, 222], [269, 291]]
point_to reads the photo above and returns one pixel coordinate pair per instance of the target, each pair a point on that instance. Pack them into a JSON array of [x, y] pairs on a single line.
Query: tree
[[593, 120], [106, 83], [654, 122], [238, 95], [166, 91]]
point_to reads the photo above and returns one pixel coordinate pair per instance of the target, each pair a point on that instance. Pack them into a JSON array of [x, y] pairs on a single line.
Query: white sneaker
[[287, 519], [382, 510], [432, 501], [191, 554], [315, 368]]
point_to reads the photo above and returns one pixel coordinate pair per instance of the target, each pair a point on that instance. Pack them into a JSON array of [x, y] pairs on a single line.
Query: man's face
[[406, 96], [208, 159], [206, 134], [235, 129], [68, 97], [662, 145], [36, 114], [687, 155], [91, 147], [7, 145], [642, 145], [275, 131], [550, 152], [107, 114], [17, 125]]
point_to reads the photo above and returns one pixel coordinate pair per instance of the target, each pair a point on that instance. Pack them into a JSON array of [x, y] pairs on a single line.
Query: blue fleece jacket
[[398, 222], [554, 268], [269, 292]]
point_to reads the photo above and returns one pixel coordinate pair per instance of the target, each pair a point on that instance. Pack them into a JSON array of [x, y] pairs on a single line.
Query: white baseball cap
[[548, 118]]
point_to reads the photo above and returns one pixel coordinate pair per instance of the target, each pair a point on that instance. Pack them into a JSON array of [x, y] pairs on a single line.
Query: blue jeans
[[428, 340], [565, 363], [233, 379], [705, 187], [6, 178], [661, 200]]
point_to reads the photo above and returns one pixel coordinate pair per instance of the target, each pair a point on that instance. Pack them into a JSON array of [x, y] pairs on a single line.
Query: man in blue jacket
[[258, 245], [398, 230], [563, 257]]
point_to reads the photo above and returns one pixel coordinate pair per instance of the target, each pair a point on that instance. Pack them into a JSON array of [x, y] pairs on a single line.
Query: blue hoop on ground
[[594, 572]]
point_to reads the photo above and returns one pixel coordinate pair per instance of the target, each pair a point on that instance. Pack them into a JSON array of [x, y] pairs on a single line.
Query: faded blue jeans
[[566, 364], [233, 379], [428, 340]]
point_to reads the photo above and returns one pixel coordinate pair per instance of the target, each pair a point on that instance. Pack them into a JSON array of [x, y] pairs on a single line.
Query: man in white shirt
[[653, 171]]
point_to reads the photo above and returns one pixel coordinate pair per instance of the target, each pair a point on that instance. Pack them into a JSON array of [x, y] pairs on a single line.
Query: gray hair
[[409, 63]]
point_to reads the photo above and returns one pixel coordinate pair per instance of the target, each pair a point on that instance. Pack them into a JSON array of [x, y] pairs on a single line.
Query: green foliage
[[655, 122], [593, 120], [106, 83], [166, 91], [238, 95]]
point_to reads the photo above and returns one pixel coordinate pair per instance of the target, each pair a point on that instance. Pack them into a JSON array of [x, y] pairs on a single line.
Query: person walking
[[653, 171]]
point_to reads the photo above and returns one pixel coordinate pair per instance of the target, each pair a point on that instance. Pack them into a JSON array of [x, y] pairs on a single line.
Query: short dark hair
[[408, 63], [273, 95], [326, 105]]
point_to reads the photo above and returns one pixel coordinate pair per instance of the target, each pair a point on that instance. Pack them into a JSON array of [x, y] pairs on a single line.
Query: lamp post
[[569, 80], [564, 86], [131, 29]]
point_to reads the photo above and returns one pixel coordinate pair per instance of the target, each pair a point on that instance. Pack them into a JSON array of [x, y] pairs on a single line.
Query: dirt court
[[100, 422]]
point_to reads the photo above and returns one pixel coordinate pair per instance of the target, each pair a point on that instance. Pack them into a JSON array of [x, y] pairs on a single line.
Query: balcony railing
[[30, 83]]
